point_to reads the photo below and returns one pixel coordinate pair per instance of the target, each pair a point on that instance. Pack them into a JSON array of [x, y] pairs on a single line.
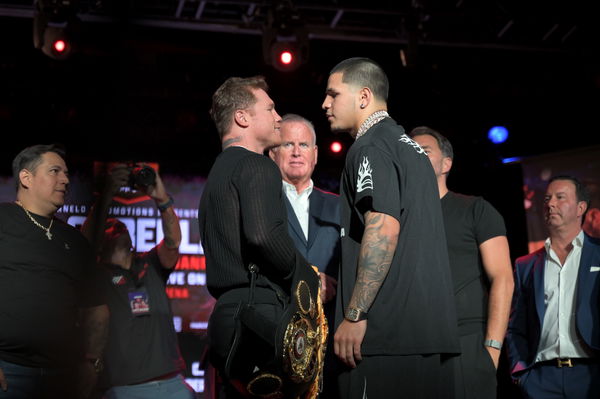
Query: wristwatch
[[492, 343], [354, 315], [97, 363]]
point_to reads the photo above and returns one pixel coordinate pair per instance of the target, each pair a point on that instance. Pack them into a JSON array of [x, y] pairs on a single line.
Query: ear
[[316, 154], [272, 154], [581, 208], [446, 165], [25, 177], [241, 118], [365, 97]]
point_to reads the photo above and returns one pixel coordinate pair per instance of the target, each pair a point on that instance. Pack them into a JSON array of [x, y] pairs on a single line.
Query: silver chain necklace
[[375, 117], [46, 229]]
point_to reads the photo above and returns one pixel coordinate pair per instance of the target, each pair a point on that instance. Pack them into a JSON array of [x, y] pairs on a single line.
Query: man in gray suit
[[313, 217]]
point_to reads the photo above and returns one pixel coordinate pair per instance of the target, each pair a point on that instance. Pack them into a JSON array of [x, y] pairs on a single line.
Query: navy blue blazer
[[528, 307], [322, 248]]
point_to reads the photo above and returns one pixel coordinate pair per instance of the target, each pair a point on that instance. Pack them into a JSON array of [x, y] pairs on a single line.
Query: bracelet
[[166, 205], [492, 343]]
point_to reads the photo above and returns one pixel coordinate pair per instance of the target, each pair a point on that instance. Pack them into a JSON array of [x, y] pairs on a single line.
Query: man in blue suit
[[554, 330], [313, 217]]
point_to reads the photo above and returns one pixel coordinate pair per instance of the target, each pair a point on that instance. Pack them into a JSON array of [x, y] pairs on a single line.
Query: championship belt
[[299, 341]]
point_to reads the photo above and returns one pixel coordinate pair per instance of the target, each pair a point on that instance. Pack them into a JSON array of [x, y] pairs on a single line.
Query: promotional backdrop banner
[[190, 301]]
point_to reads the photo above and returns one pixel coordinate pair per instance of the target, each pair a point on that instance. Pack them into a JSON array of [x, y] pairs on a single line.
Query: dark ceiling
[[139, 85]]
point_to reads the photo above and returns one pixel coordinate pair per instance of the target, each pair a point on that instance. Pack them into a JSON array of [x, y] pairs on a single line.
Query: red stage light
[[286, 57], [60, 45], [336, 147]]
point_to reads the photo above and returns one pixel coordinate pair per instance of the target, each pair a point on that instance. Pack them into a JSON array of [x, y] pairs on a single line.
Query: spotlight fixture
[[285, 38], [55, 26]]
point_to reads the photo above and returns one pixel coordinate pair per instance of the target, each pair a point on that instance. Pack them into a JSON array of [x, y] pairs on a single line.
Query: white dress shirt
[[300, 203], [559, 337]]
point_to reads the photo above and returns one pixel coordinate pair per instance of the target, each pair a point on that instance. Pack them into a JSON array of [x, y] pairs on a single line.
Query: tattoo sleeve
[[377, 250]]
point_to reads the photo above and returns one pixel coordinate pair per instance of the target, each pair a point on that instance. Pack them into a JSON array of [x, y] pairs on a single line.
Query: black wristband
[[166, 205]]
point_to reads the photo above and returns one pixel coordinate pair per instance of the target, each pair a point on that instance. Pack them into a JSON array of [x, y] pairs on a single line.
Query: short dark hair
[[364, 72], [31, 157], [443, 142], [234, 94], [581, 191]]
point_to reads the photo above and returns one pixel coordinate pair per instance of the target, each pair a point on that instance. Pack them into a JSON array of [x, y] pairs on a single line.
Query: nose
[[550, 204], [326, 103], [276, 115], [64, 178], [296, 150]]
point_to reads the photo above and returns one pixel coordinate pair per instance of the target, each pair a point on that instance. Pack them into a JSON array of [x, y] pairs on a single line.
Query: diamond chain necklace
[[46, 229], [374, 118]]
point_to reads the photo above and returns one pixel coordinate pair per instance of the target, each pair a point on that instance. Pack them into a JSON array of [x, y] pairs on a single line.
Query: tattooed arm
[[377, 250]]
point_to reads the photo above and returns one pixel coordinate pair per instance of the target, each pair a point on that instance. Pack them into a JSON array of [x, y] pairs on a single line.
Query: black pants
[[407, 377], [474, 370], [252, 351]]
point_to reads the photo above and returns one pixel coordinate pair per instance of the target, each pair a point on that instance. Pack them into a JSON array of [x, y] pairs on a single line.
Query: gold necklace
[[46, 229]]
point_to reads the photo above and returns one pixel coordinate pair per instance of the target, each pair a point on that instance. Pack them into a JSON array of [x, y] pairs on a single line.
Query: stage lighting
[[498, 134], [60, 45], [55, 26], [285, 39], [286, 57], [336, 147]]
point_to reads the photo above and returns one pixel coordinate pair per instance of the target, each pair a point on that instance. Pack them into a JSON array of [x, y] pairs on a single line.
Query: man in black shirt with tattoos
[[395, 318], [242, 220]]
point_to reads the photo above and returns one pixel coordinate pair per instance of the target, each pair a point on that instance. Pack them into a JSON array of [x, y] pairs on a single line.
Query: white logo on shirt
[[342, 232], [407, 140], [365, 178]]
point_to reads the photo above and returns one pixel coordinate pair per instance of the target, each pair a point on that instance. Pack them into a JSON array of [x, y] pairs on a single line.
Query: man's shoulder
[[7, 207], [66, 226], [254, 160], [476, 204], [526, 260], [325, 194], [245, 164], [240, 155], [592, 241], [459, 199], [385, 133], [73, 234]]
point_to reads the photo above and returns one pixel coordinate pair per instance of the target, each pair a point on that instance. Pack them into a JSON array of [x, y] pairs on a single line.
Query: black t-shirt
[[142, 341], [413, 312], [469, 222], [42, 284], [243, 219]]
